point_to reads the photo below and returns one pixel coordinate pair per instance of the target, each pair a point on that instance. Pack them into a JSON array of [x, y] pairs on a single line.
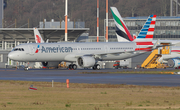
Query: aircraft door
[[106, 49], [79, 49], [31, 50]]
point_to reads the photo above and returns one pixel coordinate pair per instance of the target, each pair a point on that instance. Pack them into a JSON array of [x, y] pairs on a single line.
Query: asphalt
[[60, 75]]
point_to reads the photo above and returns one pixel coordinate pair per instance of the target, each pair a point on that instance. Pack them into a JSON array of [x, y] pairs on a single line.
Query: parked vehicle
[[121, 64]]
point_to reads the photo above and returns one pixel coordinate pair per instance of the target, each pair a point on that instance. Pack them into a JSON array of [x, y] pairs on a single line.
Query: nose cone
[[11, 56]]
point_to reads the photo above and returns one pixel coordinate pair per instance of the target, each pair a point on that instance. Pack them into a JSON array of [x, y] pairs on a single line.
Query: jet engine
[[174, 63], [50, 64], [86, 61]]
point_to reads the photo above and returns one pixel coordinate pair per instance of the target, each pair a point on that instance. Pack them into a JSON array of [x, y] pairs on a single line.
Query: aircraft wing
[[177, 44]]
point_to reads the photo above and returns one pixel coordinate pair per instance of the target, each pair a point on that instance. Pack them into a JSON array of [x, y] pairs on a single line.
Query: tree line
[[34, 11]]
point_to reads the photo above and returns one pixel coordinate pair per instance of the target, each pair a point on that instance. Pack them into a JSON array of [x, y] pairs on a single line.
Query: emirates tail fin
[[122, 31]]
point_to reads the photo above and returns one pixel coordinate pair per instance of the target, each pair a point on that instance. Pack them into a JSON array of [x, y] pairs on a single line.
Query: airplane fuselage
[[71, 51]]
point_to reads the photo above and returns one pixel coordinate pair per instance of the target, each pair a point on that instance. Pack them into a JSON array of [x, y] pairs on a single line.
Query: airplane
[[82, 54], [172, 59]]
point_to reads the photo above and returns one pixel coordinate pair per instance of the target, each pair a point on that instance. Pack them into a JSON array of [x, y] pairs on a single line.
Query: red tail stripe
[[149, 36], [154, 16], [146, 49], [153, 22], [144, 43], [151, 29]]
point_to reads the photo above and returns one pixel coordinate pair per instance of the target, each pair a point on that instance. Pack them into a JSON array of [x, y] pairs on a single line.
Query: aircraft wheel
[[26, 68], [94, 67], [70, 67], [74, 66], [98, 66]]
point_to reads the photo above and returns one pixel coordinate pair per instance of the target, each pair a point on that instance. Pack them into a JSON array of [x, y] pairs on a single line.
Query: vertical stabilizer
[[134, 36], [122, 31], [145, 36], [37, 36]]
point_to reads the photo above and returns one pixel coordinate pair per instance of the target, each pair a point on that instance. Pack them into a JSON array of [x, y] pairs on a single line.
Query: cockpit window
[[18, 49]]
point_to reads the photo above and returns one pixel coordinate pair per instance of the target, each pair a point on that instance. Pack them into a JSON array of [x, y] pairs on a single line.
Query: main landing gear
[[26, 68], [96, 67], [72, 66]]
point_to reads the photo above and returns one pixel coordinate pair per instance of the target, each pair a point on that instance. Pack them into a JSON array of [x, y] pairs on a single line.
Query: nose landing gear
[[26, 68]]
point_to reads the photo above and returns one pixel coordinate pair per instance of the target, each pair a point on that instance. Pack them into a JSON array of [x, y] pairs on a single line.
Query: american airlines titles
[[56, 49]]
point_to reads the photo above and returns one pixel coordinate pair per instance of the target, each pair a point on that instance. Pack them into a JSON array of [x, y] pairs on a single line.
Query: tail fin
[[134, 36], [122, 30], [37, 36], [145, 36]]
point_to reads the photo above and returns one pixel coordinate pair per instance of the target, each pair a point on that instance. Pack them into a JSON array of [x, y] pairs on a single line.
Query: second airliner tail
[[122, 31], [37, 36], [145, 36]]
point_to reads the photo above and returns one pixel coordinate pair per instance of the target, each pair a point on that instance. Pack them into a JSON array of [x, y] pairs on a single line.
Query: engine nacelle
[[86, 61], [50, 64], [174, 63]]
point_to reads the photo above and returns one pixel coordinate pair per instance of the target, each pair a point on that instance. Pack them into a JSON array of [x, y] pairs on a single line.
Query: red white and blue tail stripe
[[145, 36]]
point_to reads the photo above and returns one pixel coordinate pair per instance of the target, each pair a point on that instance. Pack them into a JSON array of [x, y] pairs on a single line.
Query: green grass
[[15, 95]]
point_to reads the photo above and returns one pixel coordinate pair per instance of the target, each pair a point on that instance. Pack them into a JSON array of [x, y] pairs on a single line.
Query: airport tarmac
[[60, 75]]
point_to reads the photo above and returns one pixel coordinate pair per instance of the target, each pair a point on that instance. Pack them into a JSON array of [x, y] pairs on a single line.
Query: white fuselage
[[71, 51], [175, 53]]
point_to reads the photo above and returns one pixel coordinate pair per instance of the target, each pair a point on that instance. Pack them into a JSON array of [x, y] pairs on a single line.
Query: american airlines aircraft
[[172, 59], [83, 54]]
